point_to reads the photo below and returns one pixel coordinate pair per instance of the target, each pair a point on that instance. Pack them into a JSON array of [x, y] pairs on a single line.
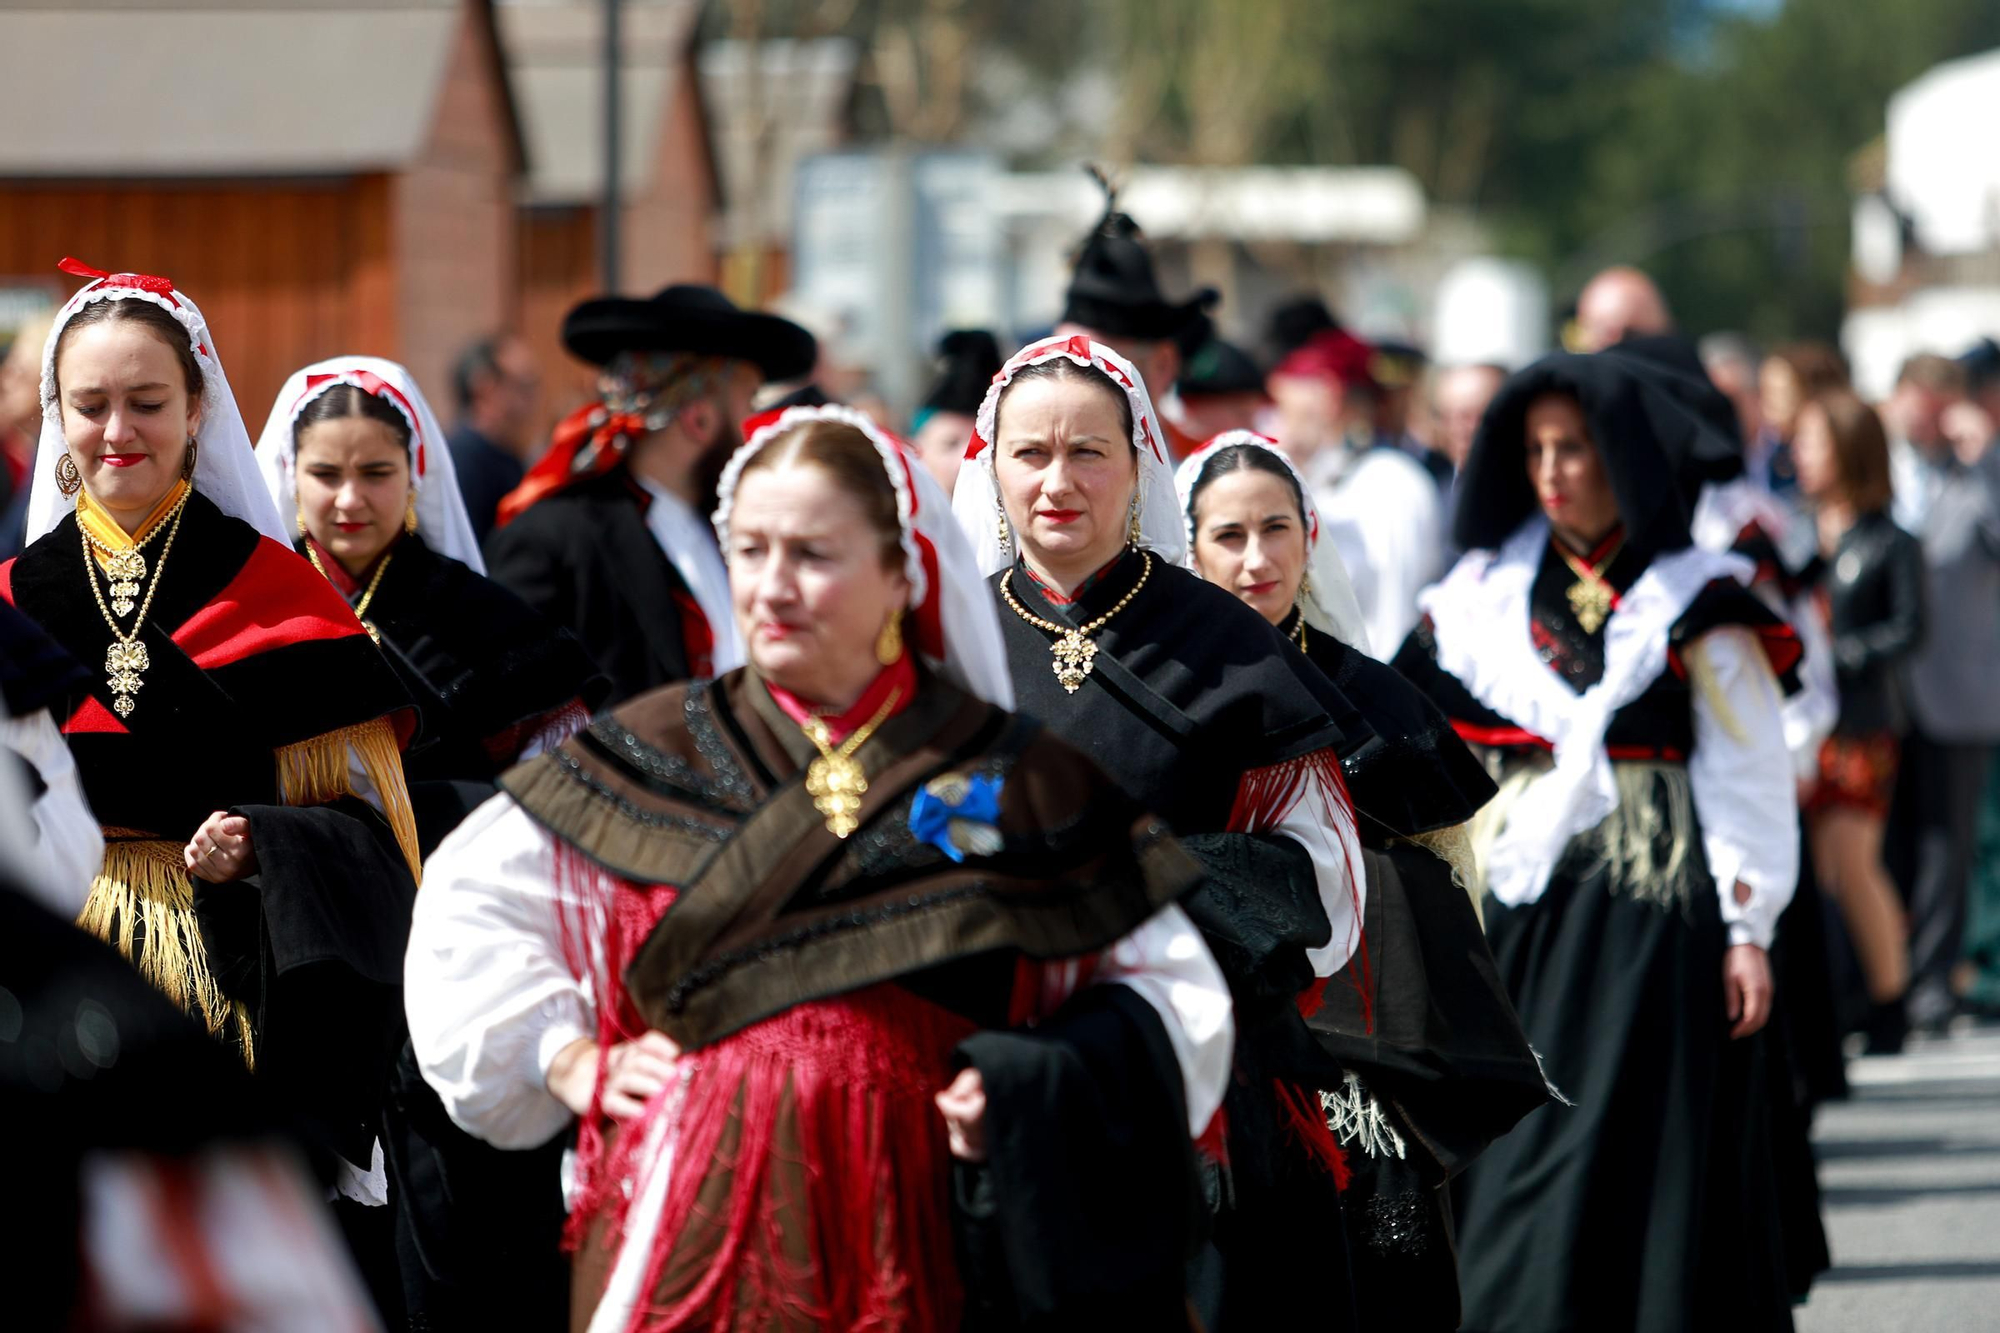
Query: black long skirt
[[1650, 1203]]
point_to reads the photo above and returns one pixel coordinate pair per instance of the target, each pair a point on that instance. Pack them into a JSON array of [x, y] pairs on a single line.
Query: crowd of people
[[1181, 838]]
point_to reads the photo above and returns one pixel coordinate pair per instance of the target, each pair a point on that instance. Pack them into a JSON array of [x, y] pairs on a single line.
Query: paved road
[[1910, 1167]]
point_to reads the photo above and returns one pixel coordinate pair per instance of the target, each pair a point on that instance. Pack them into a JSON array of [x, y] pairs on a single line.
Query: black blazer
[[1874, 586], [585, 559]]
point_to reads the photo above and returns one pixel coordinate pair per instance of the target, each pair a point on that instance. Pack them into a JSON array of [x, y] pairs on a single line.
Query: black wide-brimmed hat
[[1219, 368], [1114, 291], [968, 359], [688, 318]]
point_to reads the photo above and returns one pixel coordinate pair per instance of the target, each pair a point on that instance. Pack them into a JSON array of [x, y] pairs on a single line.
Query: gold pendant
[[125, 571], [123, 662], [373, 633], [1590, 602], [837, 784], [1075, 658]]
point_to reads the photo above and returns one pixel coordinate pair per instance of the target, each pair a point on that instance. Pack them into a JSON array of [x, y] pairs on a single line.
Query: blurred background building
[[404, 176]]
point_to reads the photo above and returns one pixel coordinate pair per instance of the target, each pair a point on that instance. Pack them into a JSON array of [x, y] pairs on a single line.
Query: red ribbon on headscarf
[[144, 282], [371, 383]]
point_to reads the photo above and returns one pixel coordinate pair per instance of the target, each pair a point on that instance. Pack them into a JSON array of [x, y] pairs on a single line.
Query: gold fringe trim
[[142, 904], [1701, 675], [1646, 845], [1453, 846], [316, 771]]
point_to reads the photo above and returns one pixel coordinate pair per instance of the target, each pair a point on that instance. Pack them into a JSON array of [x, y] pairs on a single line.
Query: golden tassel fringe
[[1453, 846], [142, 904], [316, 771]]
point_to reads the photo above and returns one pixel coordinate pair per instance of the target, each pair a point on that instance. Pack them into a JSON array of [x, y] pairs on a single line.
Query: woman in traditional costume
[[1623, 683], [240, 748], [1443, 1069], [793, 941], [353, 450], [1194, 705]]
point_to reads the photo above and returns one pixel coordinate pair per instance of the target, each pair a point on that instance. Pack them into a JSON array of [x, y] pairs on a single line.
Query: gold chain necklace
[[834, 780], [360, 607], [1073, 655], [125, 570], [126, 660], [1299, 631], [1590, 597]]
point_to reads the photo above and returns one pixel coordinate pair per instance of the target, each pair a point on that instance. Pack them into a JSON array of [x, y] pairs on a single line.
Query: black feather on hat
[[1113, 290], [970, 359]]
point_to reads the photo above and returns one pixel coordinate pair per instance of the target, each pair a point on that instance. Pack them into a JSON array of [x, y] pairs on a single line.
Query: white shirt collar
[[689, 544]]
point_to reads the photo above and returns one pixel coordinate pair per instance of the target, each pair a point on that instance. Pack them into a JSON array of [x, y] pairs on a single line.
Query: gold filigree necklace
[[835, 780], [1073, 655], [126, 660], [125, 567], [360, 607], [1591, 598]]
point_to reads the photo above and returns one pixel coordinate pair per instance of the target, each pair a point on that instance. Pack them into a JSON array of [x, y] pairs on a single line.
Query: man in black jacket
[[609, 534]]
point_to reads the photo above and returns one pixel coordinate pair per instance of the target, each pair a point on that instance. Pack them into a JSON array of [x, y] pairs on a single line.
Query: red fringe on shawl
[[818, 1124], [1305, 1124], [820, 1128], [1263, 798]]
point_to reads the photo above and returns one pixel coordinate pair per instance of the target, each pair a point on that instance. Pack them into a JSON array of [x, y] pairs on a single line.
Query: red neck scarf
[[901, 677]]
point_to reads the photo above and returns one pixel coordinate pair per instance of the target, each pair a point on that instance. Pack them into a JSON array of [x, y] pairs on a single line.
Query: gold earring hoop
[[188, 459], [889, 643], [68, 480], [410, 515]]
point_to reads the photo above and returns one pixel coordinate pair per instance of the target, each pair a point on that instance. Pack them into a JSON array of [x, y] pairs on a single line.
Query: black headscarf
[[1645, 432], [1674, 364]]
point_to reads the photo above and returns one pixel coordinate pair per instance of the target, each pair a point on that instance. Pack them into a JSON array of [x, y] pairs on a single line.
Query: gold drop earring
[[889, 643], [188, 459], [68, 480], [1132, 532], [410, 515], [1001, 530]]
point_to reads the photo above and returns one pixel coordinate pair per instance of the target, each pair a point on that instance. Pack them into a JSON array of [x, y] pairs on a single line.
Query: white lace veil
[[441, 516], [1328, 604], [976, 497], [225, 467], [953, 619]]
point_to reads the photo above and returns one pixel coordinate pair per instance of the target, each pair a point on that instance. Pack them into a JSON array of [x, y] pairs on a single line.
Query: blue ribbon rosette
[[958, 815]]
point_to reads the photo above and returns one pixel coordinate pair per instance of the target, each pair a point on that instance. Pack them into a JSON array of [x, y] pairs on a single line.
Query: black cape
[[1192, 690], [584, 558], [313, 943]]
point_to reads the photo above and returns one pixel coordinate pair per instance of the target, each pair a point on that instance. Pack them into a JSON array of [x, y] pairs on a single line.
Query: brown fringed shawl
[[701, 787]]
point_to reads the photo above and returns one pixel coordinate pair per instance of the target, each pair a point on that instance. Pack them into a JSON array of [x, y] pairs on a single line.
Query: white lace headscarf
[[953, 620], [441, 516], [976, 497], [1328, 601], [225, 467]]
